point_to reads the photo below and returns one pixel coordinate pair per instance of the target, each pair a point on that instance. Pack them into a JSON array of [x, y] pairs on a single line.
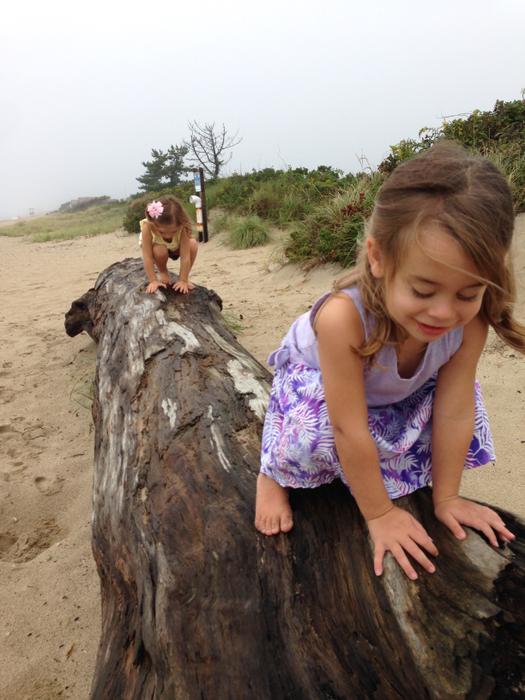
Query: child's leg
[[272, 508], [160, 255]]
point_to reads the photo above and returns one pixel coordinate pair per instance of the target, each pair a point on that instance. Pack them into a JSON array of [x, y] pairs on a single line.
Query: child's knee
[[160, 254]]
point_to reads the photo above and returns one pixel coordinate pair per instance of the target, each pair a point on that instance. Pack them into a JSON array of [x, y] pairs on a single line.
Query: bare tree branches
[[208, 146]]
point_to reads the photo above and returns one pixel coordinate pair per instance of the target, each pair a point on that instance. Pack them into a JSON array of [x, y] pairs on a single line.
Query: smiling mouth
[[432, 329]]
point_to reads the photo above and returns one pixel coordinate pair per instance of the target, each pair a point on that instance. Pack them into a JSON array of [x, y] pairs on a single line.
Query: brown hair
[[173, 213], [469, 197]]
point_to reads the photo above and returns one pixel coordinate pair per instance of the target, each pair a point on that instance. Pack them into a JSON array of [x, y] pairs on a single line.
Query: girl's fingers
[[486, 529], [506, 534], [502, 531], [424, 540], [379, 553], [404, 562], [416, 553], [454, 527]]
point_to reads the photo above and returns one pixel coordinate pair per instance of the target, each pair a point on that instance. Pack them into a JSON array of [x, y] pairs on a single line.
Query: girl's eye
[[421, 295], [462, 298]]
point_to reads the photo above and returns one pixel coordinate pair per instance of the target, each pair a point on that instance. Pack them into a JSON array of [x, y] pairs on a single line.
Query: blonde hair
[[468, 197], [173, 213]]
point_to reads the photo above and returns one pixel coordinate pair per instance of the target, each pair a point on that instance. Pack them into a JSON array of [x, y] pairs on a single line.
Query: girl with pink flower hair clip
[[166, 233]]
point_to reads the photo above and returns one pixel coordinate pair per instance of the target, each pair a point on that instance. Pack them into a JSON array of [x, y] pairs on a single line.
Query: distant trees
[[208, 146], [165, 169], [81, 203]]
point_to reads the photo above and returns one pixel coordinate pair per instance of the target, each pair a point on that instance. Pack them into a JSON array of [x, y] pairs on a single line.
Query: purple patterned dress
[[298, 448]]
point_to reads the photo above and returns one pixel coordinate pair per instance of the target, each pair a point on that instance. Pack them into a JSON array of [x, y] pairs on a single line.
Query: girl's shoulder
[[145, 226], [344, 304], [339, 315]]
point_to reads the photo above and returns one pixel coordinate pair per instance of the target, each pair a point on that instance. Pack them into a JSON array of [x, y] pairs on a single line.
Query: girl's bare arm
[[339, 330], [185, 257], [453, 412], [452, 431], [147, 253]]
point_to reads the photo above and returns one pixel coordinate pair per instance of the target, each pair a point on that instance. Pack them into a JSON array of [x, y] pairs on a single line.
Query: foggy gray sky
[[89, 88]]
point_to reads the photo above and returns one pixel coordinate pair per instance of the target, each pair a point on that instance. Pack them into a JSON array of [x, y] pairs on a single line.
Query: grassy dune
[[59, 227]]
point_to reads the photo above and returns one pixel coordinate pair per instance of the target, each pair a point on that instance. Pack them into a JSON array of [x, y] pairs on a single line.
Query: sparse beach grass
[[248, 232], [64, 226]]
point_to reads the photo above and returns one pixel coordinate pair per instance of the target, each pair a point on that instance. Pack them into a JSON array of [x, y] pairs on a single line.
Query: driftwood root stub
[[195, 603]]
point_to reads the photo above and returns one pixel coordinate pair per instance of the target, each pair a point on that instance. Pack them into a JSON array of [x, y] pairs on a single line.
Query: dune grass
[[332, 231], [60, 227], [248, 232]]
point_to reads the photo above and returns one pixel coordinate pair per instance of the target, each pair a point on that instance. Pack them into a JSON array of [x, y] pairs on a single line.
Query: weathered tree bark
[[195, 603]]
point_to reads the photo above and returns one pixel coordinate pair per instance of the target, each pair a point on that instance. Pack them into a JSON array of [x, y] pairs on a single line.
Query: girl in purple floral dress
[[376, 384]]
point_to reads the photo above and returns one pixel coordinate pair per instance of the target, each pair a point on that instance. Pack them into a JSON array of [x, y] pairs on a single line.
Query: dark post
[[204, 209]]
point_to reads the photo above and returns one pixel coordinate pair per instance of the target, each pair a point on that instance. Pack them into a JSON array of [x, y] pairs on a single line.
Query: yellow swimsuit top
[[172, 244]]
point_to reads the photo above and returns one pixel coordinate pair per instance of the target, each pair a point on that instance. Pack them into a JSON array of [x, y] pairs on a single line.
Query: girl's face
[[166, 230], [435, 289]]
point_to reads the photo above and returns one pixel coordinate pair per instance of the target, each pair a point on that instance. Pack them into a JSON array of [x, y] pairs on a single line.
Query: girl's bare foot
[[272, 508], [164, 277]]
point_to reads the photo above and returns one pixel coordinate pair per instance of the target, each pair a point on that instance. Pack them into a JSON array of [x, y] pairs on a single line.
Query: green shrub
[[333, 230], [295, 205], [510, 159], [265, 201], [230, 193], [249, 232], [221, 222]]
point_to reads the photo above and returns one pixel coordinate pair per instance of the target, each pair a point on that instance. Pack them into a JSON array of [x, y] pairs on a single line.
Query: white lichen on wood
[[246, 383], [170, 410], [244, 370], [242, 357], [218, 441], [171, 329]]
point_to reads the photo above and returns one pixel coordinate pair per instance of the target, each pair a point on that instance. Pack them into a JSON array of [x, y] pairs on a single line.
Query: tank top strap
[[355, 295]]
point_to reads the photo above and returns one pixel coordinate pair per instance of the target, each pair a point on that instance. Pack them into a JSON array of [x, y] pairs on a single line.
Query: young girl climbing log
[[376, 385]]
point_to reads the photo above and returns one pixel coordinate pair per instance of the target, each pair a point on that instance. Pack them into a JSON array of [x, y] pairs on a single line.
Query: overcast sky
[[89, 88]]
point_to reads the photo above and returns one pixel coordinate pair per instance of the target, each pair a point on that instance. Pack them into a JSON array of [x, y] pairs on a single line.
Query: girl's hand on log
[[400, 533], [153, 286], [455, 512], [183, 287]]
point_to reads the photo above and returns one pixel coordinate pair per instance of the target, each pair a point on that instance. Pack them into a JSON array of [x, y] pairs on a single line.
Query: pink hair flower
[[155, 209]]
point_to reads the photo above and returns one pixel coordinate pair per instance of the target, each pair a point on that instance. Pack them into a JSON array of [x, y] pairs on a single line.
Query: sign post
[[199, 199]]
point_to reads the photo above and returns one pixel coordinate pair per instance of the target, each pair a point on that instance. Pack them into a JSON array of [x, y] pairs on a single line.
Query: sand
[[49, 595]]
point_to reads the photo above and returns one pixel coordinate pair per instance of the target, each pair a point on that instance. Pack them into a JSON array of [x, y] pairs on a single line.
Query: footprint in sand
[[6, 395], [21, 443], [48, 487], [29, 544], [7, 540]]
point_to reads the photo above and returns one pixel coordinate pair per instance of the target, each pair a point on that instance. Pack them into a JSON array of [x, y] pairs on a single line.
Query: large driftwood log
[[195, 603]]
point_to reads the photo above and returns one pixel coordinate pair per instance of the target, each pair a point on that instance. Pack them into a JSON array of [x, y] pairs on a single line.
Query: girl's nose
[[442, 311]]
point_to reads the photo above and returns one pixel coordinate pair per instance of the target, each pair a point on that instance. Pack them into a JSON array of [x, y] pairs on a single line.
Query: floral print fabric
[[298, 448]]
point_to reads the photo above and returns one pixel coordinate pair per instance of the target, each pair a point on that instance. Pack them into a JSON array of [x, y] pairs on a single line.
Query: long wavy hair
[[470, 199], [173, 214]]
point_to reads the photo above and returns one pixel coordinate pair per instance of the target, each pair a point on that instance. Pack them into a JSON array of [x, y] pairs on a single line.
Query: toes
[[274, 526], [286, 523]]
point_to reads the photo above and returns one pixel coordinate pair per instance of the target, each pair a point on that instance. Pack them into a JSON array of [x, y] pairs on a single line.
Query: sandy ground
[[50, 617]]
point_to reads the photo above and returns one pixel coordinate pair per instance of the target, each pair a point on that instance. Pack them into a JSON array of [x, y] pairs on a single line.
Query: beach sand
[[49, 595]]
